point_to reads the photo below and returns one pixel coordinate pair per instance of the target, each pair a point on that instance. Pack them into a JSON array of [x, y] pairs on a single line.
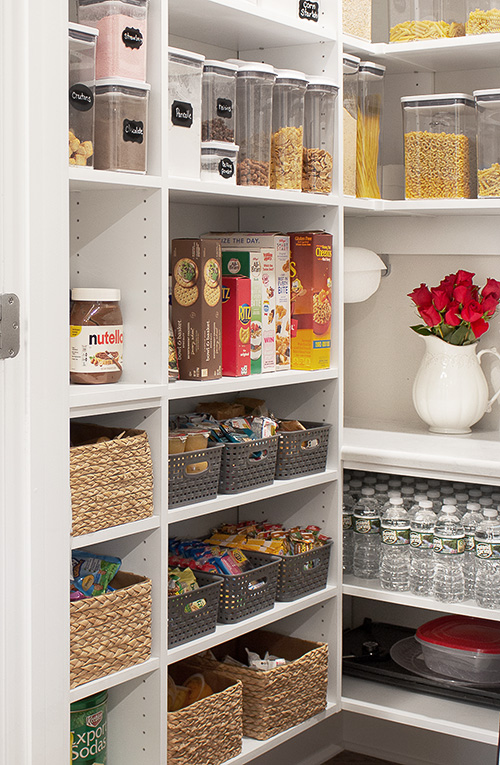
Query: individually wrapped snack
[[92, 573], [268, 662], [181, 580], [264, 427], [290, 426]]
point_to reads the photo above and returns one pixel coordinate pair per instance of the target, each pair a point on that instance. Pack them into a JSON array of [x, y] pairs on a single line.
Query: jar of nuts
[[82, 46], [218, 101], [319, 123], [287, 139], [254, 99]]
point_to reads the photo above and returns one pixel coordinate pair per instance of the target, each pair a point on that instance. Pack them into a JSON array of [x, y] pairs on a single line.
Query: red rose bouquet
[[457, 311]]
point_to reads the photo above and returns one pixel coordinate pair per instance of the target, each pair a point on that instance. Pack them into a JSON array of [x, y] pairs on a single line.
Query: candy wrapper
[[210, 558], [268, 538], [92, 573]]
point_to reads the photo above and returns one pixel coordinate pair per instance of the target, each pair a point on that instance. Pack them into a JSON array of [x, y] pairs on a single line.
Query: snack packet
[[92, 573]]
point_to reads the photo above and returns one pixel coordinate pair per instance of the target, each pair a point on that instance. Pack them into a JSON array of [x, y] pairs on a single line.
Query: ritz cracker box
[[236, 318], [197, 307], [311, 299], [249, 263]]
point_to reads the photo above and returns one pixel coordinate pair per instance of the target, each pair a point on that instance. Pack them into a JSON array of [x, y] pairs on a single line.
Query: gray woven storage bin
[[242, 469], [296, 579], [302, 452], [182, 626], [187, 488]]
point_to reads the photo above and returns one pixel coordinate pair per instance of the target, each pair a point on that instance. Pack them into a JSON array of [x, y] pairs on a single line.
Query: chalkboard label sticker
[[81, 97], [226, 168], [133, 131], [132, 38], [182, 114], [309, 10], [224, 108]]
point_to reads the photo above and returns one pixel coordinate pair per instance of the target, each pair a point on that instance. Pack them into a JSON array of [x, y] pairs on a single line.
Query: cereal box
[[311, 299], [282, 316], [236, 319], [249, 263], [268, 310], [196, 307]]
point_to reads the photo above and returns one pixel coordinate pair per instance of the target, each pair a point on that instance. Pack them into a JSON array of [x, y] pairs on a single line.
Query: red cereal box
[[236, 316]]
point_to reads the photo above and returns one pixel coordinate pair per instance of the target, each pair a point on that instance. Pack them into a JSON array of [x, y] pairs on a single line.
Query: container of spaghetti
[[488, 142], [350, 121], [439, 146], [370, 101], [426, 19], [483, 16]]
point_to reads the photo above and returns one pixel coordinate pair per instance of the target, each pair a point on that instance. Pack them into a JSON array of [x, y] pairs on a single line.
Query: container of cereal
[[319, 133], [357, 18], [254, 101], [287, 130], [426, 19], [122, 25], [121, 125], [439, 146], [370, 101], [185, 71], [218, 162], [488, 142], [89, 730], [82, 44], [350, 121], [483, 16], [218, 105]]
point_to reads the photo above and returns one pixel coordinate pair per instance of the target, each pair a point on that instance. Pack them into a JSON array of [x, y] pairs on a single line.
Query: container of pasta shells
[[426, 19], [319, 131], [483, 16], [287, 137], [488, 142], [439, 146], [370, 101]]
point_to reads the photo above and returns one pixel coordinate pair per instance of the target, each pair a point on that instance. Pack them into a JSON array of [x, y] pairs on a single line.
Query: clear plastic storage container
[[218, 101], [370, 102], [319, 133], [488, 142], [287, 138], [218, 161], [82, 43], [350, 121], [122, 44], [425, 19], [121, 125], [439, 146], [185, 71], [483, 16], [254, 102], [357, 18]]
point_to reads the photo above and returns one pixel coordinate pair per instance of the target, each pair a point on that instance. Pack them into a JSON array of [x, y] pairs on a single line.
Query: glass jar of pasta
[[488, 142], [370, 100], [483, 16], [426, 19], [439, 146], [287, 138], [350, 121]]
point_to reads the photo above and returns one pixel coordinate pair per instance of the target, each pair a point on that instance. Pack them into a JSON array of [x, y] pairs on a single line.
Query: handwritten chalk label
[[224, 108], [133, 131], [309, 10], [182, 114], [132, 38], [226, 168], [81, 97]]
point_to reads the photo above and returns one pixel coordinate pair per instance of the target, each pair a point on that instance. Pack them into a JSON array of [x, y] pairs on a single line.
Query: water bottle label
[[447, 546], [346, 522], [424, 540], [486, 550], [367, 525], [396, 536], [470, 542]]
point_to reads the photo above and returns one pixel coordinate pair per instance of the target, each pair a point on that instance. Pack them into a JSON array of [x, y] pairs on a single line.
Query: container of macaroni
[[483, 16], [426, 19], [439, 146], [488, 142]]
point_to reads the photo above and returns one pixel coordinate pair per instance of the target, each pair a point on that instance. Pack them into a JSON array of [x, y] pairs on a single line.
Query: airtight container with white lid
[[370, 102], [121, 124], [185, 71], [440, 146], [483, 17], [488, 142], [82, 44], [462, 648], [218, 105], [350, 120], [319, 133], [287, 138], [254, 101], [218, 162], [426, 19]]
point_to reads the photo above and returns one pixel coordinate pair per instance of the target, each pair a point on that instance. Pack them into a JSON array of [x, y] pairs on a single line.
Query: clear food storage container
[[319, 133], [439, 146], [122, 25], [462, 647], [185, 71], [350, 121], [82, 43], [425, 19], [254, 101], [483, 16], [121, 125], [218, 161], [218, 105], [370, 102], [357, 18], [287, 138], [488, 142]]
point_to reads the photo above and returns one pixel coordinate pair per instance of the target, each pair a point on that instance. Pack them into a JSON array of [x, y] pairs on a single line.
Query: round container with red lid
[[462, 647]]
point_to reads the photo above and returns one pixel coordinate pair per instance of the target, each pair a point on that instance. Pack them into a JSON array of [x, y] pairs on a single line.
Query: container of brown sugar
[[121, 125], [96, 336], [82, 46]]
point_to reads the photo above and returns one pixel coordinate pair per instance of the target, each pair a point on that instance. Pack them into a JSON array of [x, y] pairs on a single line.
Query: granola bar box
[[249, 263], [311, 299], [236, 319], [197, 307]]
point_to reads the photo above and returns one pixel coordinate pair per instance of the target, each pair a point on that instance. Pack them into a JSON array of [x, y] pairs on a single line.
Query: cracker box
[[311, 299], [197, 307], [249, 263], [236, 319]]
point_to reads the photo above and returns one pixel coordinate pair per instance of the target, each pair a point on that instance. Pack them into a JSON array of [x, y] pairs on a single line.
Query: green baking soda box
[[89, 730]]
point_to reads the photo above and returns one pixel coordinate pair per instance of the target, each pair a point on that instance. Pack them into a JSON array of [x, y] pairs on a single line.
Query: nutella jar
[[96, 336]]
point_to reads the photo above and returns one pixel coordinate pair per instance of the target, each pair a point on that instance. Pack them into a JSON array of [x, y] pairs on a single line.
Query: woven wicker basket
[[209, 731], [110, 632], [111, 482], [277, 699]]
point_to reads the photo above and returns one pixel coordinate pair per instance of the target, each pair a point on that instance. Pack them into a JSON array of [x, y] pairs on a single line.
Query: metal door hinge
[[9, 326]]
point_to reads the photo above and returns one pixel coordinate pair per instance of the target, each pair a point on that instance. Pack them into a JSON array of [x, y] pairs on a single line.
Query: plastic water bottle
[[408, 497], [347, 533], [462, 498], [471, 519], [449, 548], [421, 549], [435, 497], [395, 550], [487, 539], [417, 506], [366, 536]]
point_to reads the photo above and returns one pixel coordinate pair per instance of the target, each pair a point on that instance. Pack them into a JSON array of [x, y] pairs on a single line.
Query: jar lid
[[290, 74], [75, 30], [487, 95], [127, 2], [226, 65], [372, 68], [187, 54], [439, 99], [255, 66], [462, 633], [95, 293], [351, 60], [122, 82], [222, 145], [322, 81]]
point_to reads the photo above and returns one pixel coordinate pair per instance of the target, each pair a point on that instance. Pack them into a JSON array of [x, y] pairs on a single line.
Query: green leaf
[[421, 330], [459, 336]]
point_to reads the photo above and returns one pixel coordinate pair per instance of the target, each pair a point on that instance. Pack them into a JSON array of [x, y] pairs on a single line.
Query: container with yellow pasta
[[426, 19], [370, 100], [483, 16], [350, 121], [439, 146], [488, 142]]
